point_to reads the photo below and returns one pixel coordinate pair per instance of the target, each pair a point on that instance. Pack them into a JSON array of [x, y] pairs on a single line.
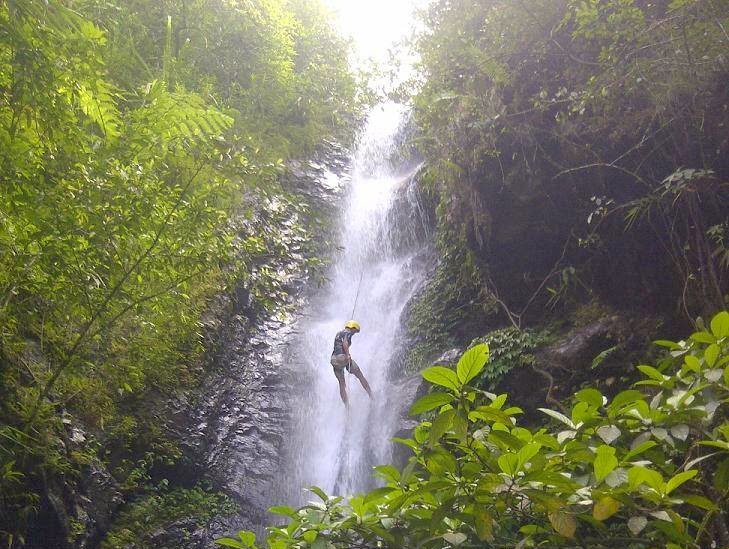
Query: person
[[341, 359]]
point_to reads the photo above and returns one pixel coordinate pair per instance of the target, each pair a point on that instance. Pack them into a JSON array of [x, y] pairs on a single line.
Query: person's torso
[[339, 339]]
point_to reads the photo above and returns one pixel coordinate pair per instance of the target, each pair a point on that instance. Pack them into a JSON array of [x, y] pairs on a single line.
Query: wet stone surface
[[231, 430]]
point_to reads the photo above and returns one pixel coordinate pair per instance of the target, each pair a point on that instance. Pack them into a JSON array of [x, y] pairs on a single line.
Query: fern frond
[[98, 102], [179, 115]]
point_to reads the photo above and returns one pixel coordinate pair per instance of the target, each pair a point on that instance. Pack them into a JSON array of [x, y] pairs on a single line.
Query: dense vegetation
[[577, 150], [647, 468], [136, 140], [577, 154]]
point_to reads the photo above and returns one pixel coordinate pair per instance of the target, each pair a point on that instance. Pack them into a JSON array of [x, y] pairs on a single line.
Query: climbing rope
[[356, 296]]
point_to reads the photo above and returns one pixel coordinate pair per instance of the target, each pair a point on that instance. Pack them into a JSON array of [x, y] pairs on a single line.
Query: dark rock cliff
[[231, 430]]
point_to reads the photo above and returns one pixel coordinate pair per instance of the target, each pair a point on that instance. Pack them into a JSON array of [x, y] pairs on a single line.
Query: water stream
[[332, 446]]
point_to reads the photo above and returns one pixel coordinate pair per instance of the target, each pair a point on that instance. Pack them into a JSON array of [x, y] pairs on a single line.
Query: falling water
[[332, 446]]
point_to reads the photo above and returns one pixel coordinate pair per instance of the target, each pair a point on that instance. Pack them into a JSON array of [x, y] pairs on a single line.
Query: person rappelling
[[341, 359]]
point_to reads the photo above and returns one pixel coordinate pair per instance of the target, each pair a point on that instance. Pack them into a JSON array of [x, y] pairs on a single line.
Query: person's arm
[[345, 346]]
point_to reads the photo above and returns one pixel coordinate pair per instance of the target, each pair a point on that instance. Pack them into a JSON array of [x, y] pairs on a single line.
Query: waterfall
[[380, 228]]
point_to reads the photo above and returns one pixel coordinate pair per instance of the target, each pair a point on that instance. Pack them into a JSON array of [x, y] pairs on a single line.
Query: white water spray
[[331, 446]]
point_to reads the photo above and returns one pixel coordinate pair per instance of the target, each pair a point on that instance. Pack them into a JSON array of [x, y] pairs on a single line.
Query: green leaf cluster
[[510, 348], [646, 468]]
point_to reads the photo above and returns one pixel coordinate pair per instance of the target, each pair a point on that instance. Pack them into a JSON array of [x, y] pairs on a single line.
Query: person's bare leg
[[342, 386], [363, 381]]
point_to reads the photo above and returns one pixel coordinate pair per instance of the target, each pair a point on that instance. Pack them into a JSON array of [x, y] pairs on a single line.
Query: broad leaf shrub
[[648, 468]]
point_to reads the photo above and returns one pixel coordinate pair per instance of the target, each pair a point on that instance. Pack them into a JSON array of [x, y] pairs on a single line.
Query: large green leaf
[[642, 475], [472, 362], [440, 425], [720, 325], [527, 452], [711, 354], [388, 472], [282, 510], [430, 402], [624, 398], [490, 415], [605, 461], [442, 376], [593, 397], [677, 480], [509, 463]]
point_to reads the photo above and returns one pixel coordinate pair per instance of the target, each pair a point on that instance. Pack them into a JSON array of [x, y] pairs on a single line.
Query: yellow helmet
[[352, 324]]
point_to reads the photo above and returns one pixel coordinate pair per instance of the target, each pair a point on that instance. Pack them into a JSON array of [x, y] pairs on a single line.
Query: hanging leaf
[[608, 433], [442, 376], [282, 510], [563, 523], [559, 416], [605, 508], [605, 461], [652, 373], [319, 492], [484, 526]]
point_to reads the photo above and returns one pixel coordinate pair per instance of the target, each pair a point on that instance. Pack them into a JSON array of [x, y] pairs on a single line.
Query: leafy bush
[[649, 468], [154, 511], [510, 348], [551, 126]]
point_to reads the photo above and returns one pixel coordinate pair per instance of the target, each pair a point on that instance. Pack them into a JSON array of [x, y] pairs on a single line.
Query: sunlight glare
[[374, 25]]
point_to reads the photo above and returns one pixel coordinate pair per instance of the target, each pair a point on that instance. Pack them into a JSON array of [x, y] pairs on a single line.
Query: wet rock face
[[232, 429], [240, 423], [77, 513]]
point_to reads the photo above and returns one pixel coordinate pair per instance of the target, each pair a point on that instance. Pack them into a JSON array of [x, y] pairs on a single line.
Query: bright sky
[[374, 24]]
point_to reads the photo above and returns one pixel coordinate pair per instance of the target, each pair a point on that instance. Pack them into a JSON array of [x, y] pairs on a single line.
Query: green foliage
[[550, 125], [158, 510], [451, 308], [140, 143], [510, 348], [646, 468]]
